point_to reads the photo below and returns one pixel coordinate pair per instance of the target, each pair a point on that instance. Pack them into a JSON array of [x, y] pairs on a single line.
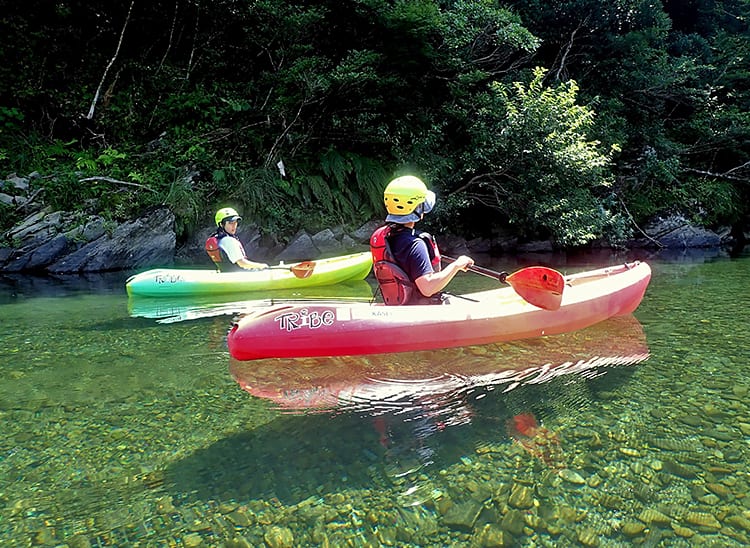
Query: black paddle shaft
[[499, 276]]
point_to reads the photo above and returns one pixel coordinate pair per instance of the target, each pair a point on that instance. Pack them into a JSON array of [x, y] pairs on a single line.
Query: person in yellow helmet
[[224, 246], [406, 263]]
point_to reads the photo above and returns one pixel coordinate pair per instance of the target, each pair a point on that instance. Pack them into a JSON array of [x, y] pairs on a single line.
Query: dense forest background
[[574, 120]]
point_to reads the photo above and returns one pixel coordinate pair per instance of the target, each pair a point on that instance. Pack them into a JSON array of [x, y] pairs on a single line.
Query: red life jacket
[[213, 250], [218, 256], [395, 285]]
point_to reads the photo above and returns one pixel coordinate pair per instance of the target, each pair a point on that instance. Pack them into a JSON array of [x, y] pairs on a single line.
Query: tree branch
[[477, 179], [287, 129], [725, 175], [568, 47], [114, 181], [195, 42], [171, 36], [632, 220], [92, 108]]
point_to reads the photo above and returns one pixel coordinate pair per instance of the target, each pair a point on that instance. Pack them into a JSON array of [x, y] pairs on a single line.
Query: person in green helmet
[[224, 246], [406, 263]]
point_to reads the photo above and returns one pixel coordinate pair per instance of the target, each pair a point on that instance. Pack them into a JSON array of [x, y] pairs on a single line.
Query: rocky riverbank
[[62, 242]]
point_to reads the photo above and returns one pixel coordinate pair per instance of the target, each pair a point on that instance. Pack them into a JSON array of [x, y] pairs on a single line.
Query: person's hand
[[251, 265], [463, 262]]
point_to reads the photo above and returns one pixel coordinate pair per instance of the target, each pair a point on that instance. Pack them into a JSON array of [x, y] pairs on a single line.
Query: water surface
[[119, 430]]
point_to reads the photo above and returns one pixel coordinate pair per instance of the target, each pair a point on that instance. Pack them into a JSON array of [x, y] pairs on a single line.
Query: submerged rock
[[462, 516], [279, 537]]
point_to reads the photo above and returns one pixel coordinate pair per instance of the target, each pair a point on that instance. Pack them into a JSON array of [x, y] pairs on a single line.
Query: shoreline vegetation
[[66, 242], [576, 125]]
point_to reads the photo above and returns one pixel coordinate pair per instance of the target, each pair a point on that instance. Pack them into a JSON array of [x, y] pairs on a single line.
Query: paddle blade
[[539, 285], [303, 270]]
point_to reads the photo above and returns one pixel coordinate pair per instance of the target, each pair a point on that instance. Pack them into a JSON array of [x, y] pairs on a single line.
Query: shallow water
[[120, 430]]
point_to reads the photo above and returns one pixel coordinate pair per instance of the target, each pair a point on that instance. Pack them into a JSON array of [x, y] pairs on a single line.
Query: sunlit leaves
[[533, 161]]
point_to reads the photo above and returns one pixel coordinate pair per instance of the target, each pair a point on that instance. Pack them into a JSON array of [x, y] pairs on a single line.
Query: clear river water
[[127, 424]]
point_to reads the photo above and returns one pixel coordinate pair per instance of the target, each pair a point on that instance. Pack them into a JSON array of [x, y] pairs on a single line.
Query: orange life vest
[[395, 285]]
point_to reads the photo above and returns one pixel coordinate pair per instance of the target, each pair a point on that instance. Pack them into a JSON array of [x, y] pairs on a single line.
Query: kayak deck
[[338, 329]]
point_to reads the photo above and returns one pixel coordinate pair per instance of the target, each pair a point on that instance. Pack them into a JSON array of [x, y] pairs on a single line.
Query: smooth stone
[[720, 490], [492, 536], [711, 410], [521, 496], [633, 528], [681, 531], [739, 522], [702, 519], [710, 499], [629, 452], [462, 516], [649, 515], [698, 491], [513, 522], [240, 518], [279, 537], [192, 540], [571, 476]]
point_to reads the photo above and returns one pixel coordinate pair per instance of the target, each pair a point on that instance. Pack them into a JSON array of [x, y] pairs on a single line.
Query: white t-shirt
[[233, 248]]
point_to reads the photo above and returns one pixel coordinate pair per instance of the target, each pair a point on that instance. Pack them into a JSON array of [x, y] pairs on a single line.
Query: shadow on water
[[27, 285], [386, 420]]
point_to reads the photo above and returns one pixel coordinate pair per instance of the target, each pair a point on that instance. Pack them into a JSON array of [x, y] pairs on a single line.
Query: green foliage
[[185, 203], [344, 188], [530, 159], [642, 103], [481, 34], [666, 82], [10, 121]]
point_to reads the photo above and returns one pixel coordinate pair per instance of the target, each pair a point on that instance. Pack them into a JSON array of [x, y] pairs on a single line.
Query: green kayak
[[171, 282], [192, 307]]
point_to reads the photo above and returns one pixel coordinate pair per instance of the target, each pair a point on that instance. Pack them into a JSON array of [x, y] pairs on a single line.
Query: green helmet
[[226, 214]]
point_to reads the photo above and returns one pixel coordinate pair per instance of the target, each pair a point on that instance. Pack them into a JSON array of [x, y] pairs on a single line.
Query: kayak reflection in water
[[407, 398], [408, 432], [538, 441], [410, 401]]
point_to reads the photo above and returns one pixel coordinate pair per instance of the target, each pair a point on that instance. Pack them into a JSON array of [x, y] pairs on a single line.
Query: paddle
[[301, 270], [538, 285]]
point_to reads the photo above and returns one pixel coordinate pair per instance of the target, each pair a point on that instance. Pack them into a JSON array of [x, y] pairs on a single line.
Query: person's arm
[[236, 254], [250, 265], [432, 283]]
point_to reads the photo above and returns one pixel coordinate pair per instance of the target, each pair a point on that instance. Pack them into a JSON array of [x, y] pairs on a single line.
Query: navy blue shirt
[[411, 253]]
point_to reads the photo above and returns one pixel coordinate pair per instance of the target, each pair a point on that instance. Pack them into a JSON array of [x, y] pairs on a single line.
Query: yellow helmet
[[226, 214], [406, 199]]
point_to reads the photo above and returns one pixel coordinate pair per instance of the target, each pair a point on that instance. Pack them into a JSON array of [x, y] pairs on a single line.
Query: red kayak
[[384, 382], [328, 328]]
